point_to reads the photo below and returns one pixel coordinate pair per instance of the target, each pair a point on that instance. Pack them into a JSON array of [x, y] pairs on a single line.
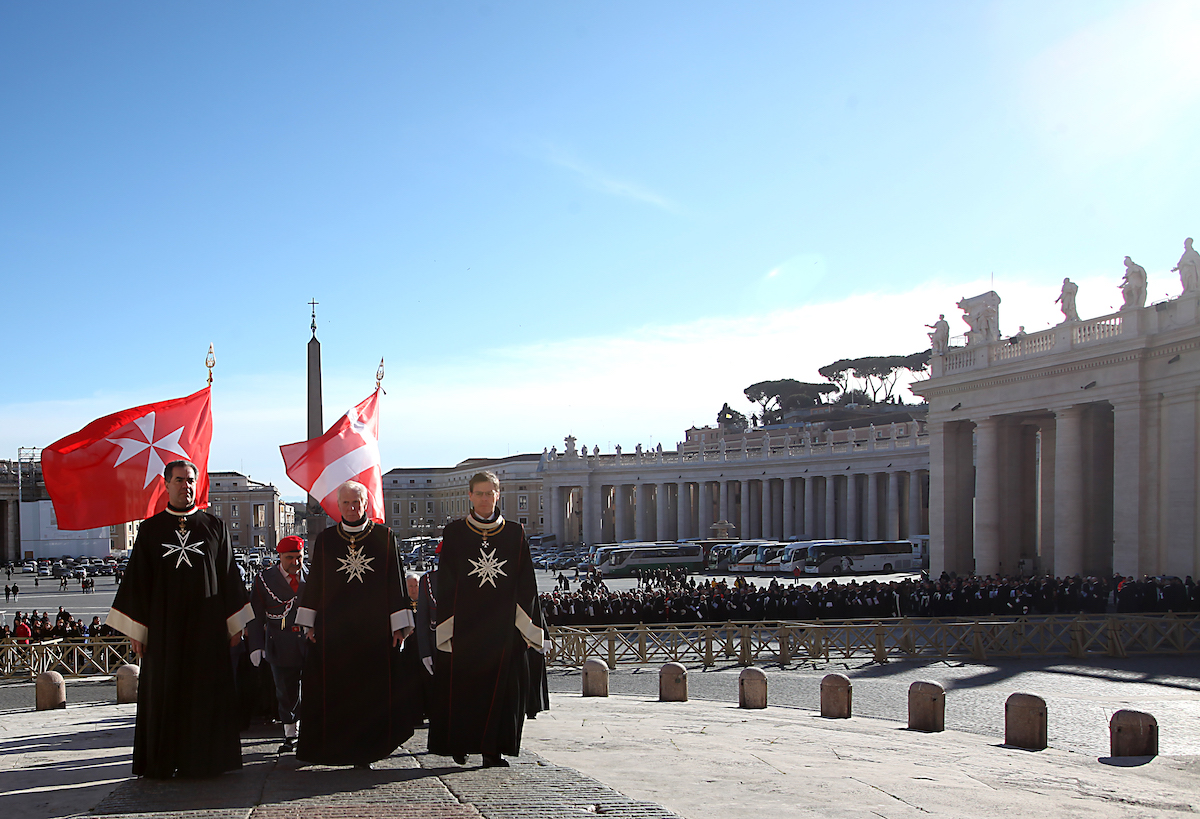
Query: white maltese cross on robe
[[487, 567], [181, 550]]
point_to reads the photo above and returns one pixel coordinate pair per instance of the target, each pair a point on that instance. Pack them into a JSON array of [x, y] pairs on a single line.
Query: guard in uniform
[[274, 635]]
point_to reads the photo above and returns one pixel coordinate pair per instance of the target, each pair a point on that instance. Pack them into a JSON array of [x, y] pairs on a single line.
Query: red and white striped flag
[[349, 451]]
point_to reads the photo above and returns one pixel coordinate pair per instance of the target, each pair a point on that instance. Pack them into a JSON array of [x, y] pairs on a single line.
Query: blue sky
[[593, 219]]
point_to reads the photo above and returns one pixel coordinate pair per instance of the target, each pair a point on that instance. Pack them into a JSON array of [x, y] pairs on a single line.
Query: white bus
[[745, 555], [623, 561], [878, 556], [795, 557]]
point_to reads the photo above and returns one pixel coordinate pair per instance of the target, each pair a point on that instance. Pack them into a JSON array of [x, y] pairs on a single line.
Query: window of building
[[522, 521], [234, 538], [412, 507], [396, 522], [522, 503], [258, 542], [395, 507], [234, 510], [412, 481], [541, 521], [260, 515], [429, 507], [233, 525], [541, 504]]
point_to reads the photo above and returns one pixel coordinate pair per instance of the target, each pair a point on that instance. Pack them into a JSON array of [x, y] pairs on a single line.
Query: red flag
[[110, 471], [349, 451]]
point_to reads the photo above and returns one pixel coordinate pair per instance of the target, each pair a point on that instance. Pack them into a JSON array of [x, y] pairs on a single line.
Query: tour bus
[[795, 557], [876, 556], [624, 560], [770, 558], [746, 555]]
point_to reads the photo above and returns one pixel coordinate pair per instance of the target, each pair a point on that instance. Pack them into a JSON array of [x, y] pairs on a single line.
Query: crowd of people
[[35, 627], [670, 597]]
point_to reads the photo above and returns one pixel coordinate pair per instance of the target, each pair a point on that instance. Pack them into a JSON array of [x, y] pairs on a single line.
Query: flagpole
[[210, 361]]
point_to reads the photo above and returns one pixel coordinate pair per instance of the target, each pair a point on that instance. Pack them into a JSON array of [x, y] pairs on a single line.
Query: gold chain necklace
[[353, 537]]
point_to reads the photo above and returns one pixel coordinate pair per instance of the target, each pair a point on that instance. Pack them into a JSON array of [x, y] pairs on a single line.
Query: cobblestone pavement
[[1080, 696]]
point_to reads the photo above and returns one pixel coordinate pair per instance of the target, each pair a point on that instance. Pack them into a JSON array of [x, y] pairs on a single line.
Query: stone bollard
[[51, 691], [752, 688], [127, 683], [926, 707], [836, 696], [1025, 722], [1132, 733], [595, 678], [672, 683]]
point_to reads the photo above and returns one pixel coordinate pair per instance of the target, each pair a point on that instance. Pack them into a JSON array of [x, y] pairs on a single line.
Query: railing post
[[1076, 649], [1115, 648], [880, 644], [977, 650], [709, 661], [612, 647], [729, 640], [642, 643], [744, 659], [785, 645]]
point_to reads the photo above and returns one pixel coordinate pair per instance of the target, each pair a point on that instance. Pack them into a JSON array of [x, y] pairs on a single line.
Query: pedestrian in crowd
[[274, 636], [15, 592], [357, 612], [7, 592], [183, 607], [487, 614]]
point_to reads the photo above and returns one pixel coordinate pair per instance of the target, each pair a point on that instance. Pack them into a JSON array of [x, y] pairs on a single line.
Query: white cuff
[[238, 620], [306, 617], [255, 657], [126, 625], [445, 632], [533, 635], [402, 619]]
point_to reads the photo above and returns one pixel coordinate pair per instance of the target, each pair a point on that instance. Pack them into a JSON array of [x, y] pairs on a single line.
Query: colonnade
[[873, 505]]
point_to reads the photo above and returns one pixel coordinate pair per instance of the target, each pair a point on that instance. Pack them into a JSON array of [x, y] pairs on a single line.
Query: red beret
[[291, 543]]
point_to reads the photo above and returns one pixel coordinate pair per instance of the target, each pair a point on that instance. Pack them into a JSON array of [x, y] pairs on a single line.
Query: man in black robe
[[487, 617], [183, 605], [356, 610], [274, 635]]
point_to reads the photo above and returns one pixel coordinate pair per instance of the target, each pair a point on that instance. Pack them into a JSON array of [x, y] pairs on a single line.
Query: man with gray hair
[[355, 611]]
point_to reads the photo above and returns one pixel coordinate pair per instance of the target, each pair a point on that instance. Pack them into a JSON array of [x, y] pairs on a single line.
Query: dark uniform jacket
[[273, 630]]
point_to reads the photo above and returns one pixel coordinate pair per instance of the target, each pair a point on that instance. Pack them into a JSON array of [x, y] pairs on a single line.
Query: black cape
[[183, 598], [353, 709], [487, 617]]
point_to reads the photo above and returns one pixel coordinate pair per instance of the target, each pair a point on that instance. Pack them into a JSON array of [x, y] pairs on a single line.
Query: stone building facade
[[1072, 450], [862, 482], [421, 500], [255, 513]]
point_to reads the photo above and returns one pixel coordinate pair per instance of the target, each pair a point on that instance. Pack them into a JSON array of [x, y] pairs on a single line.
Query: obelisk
[[316, 424]]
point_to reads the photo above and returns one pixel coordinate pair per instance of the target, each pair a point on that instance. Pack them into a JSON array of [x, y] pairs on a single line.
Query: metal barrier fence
[[879, 640], [747, 643], [70, 657]]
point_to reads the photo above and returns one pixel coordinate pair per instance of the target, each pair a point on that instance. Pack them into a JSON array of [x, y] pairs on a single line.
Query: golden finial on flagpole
[[379, 376], [210, 361]]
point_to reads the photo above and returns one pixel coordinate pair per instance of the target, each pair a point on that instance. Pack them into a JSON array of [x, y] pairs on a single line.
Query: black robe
[[183, 598], [488, 616], [353, 710]]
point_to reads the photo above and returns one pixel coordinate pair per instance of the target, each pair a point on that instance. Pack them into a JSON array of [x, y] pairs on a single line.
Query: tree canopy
[[786, 393], [731, 420], [877, 374]]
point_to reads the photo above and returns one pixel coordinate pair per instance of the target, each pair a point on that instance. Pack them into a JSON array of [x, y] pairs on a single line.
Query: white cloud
[[606, 183]]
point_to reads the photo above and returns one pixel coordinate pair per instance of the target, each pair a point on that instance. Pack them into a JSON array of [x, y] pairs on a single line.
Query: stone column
[[789, 502], [704, 519], [661, 512], [620, 513], [723, 504], [1068, 491], [558, 513], [810, 509], [873, 506], [591, 514], [893, 506], [683, 511], [914, 503], [639, 512], [1045, 550], [852, 520], [1128, 492], [987, 496], [744, 531], [768, 528], [830, 506]]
